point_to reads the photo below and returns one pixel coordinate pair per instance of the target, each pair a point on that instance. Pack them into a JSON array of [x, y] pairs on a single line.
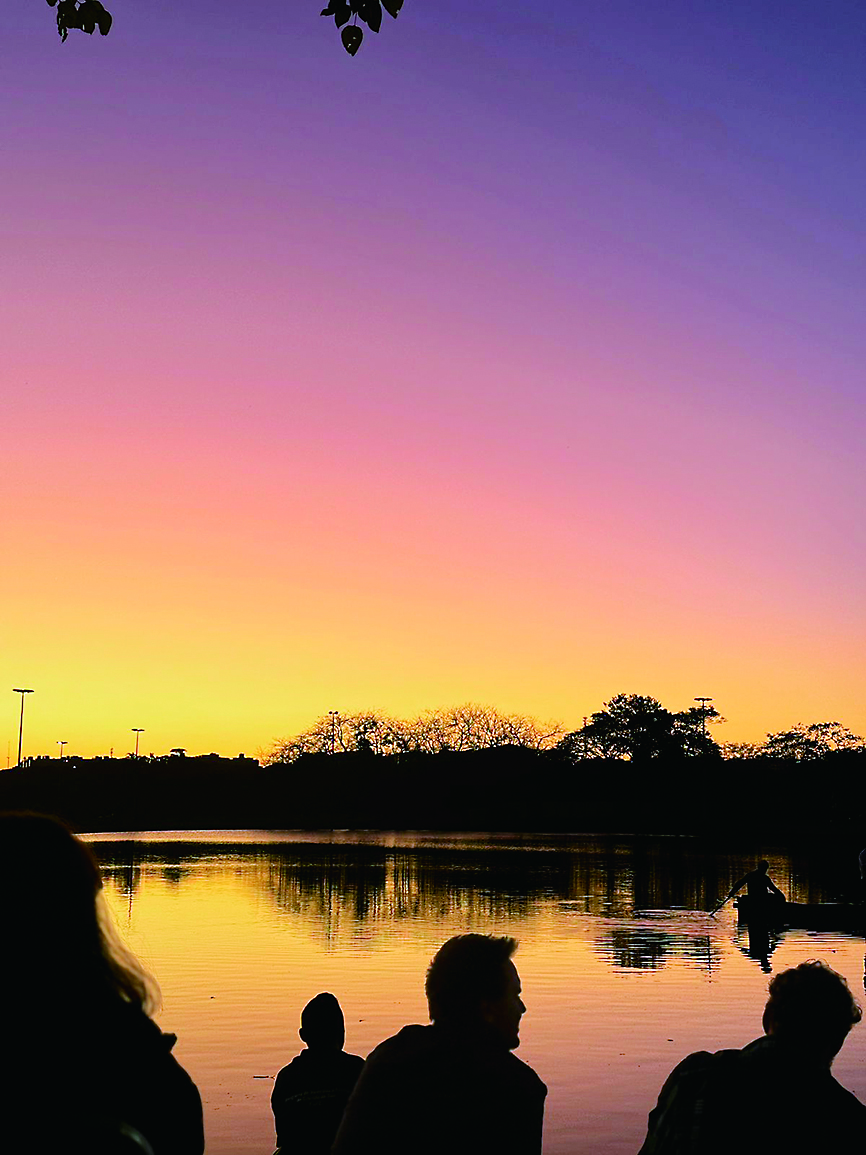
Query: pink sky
[[513, 362]]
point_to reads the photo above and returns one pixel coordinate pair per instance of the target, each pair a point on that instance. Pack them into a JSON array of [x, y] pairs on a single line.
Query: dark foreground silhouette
[[455, 1085], [83, 1068], [777, 1093], [310, 1094]]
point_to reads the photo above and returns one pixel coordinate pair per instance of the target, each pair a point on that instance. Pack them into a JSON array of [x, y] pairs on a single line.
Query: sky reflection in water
[[623, 973]]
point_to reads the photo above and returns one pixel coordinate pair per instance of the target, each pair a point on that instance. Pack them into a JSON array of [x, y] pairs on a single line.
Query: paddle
[[719, 907]]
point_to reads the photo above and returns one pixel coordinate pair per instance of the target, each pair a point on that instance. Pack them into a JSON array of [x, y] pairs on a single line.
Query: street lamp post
[[704, 702], [15, 690], [136, 731], [334, 716], [61, 742]]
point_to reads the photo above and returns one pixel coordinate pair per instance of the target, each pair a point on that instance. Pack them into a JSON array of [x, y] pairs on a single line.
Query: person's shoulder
[[763, 1045], [411, 1040], [349, 1061], [698, 1067], [293, 1067], [523, 1075], [411, 1045], [847, 1104], [131, 1028], [696, 1061]]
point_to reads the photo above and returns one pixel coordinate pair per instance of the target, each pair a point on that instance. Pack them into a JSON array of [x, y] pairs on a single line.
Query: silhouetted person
[[777, 1093], [310, 1094], [765, 897], [83, 1069], [453, 1086]]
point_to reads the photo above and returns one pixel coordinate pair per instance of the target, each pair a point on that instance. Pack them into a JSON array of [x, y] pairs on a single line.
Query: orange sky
[[528, 387]]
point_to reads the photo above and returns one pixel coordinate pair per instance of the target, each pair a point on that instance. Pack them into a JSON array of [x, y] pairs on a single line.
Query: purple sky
[[517, 359]]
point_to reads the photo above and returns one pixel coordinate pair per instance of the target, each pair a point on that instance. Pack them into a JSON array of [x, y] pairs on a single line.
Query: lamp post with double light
[[22, 692]]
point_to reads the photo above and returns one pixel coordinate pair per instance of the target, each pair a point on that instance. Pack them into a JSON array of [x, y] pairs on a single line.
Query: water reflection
[[242, 928], [760, 942], [645, 947], [348, 887]]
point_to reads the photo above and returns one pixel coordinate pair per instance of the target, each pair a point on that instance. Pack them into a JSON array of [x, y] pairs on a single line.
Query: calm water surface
[[622, 972]]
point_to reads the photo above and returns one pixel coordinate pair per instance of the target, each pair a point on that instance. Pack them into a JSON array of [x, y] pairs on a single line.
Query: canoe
[[808, 915]]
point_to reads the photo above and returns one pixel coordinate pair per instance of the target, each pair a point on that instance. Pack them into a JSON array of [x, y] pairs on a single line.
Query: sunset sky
[[519, 359]]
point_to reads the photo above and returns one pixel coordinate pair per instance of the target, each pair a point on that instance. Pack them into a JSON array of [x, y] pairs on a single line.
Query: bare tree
[[801, 743], [805, 743], [458, 728], [741, 749]]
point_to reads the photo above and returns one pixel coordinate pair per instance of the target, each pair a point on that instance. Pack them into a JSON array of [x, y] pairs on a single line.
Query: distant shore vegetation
[[630, 727], [633, 767]]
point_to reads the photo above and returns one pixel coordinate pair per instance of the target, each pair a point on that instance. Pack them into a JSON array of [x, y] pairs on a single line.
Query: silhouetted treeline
[[501, 788], [633, 727]]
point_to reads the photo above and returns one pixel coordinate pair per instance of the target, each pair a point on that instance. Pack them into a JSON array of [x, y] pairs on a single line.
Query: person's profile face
[[503, 1015]]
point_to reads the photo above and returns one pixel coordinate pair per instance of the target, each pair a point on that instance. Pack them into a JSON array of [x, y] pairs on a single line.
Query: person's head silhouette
[[323, 1027], [56, 920], [472, 985], [82, 997], [811, 1008]]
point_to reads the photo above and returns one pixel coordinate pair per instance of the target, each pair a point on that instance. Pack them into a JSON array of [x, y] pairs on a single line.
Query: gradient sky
[[518, 359]]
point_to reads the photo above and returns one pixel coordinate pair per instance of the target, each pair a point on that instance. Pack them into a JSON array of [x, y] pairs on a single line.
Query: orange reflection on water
[[619, 985]]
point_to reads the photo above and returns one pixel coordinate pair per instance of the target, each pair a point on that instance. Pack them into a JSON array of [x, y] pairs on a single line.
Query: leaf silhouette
[[392, 7], [371, 11], [87, 17], [352, 37], [341, 10], [342, 13]]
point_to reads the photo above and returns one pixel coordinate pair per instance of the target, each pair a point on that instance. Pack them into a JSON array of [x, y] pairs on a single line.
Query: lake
[[623, 973]]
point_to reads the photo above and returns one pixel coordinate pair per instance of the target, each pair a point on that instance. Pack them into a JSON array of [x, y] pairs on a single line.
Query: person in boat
[[311, 1092], [453, 1086], [84, 1069], [777, 1093], [763, 893]]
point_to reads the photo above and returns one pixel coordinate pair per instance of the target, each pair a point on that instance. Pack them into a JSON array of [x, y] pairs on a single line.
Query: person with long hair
[[83, 1066]]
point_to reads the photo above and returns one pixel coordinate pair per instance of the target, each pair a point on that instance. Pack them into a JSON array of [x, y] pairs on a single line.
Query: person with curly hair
[[777, 1093]]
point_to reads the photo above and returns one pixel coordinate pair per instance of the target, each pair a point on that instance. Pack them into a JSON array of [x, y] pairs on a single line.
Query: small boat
[[808, 915]]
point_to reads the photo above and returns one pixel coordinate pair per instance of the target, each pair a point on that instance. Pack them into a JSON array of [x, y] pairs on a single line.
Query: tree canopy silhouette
[[801, 743], [88, 15], [637, 727]]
